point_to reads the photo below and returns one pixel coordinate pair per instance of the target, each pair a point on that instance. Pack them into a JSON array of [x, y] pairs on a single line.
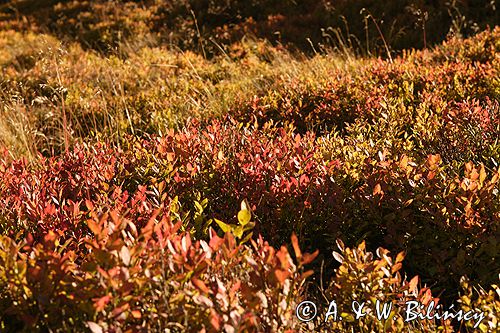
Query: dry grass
[[67, 93]]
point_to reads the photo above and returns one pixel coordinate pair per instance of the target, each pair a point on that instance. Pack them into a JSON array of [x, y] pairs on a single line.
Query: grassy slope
[[370, 131]]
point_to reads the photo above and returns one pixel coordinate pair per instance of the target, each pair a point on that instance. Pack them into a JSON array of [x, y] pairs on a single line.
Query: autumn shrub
[[290, 185], [49, 196], [414, 79], [122, 278], [438, 212], [277, 171], [485, 300], [470, 132], [371, 281], [122, 170]]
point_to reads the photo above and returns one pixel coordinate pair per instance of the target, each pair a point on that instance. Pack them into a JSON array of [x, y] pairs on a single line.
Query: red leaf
[[215, 241], [215, 320]]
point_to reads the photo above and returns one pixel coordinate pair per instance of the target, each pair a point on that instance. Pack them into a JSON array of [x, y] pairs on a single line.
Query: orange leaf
[[282, 255], [50, 237], [412, 285], [101, 303], [215, 241], [482, 175], [309, 257], [427, 297], [119, 310], [296, 248], [281, 275], [396, 267], [306, 274], [235, 288], [400, 257], [94, 227], [200, 285]]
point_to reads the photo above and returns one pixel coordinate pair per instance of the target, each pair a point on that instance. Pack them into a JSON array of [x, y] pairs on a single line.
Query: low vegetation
[[151, 188]]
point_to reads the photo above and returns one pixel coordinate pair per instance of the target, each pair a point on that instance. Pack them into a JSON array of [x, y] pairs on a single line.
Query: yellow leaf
[[238, 231], [224, 226], [244, 216], [482, 175], [400, 257]]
